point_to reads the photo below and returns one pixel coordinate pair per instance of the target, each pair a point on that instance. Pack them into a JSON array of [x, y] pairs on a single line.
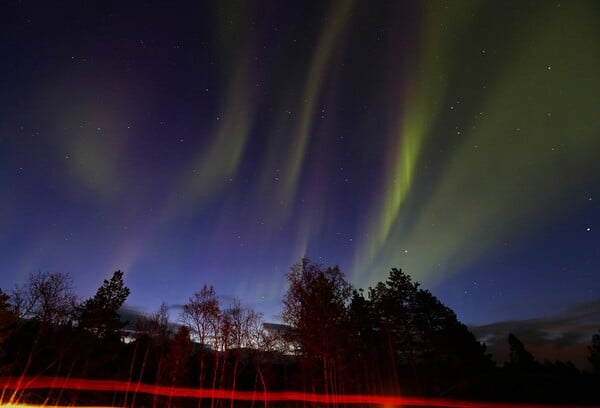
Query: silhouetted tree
[[525, 379], [239, 328], [315, 305], [7, 315], [424, 336], [46, 297], [367, 346], [160, 333], [519, 357], [201, 314], [393, 305], [176, 367], [594, 352], [43, 308], [234, 334], [100, 313], [4, 298], [7, 326], [99, 328]]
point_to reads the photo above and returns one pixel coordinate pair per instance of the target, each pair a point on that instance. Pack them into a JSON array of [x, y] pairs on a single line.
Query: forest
[[395, 338]]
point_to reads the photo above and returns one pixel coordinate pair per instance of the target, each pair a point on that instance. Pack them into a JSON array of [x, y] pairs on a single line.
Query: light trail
[[29, 383]]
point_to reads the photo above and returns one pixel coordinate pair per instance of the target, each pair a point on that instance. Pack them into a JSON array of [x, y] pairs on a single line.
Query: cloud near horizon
[[562, 337]]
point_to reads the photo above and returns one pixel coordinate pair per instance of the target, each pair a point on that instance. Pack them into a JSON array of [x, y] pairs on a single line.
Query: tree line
[[393, 338]]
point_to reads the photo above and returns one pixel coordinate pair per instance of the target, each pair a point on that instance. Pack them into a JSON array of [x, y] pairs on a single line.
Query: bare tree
[[47, 297], [242, 328], [315, 305], [242, 321], [201, 315], [162, 334]]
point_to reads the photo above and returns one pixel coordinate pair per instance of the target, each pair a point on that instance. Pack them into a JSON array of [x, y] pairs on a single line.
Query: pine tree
[[100, 313]]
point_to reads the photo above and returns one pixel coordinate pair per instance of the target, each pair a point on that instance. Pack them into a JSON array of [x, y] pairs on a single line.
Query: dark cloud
[[178, 307], [562, 337]]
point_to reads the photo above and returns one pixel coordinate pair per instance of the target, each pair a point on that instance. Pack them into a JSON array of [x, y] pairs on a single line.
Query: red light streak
[[61, 383]]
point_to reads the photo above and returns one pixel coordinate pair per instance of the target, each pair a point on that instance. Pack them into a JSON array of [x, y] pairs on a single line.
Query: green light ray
[[418, 110], [523, 160]]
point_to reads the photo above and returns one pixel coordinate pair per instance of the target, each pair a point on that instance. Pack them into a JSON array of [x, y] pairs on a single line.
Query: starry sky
[[219, 142]]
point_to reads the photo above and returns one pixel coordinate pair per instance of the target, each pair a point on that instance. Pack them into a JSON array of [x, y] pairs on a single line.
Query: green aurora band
[[529, 144]]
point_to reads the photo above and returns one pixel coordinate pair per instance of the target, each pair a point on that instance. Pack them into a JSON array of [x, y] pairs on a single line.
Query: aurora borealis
[[218, 142]]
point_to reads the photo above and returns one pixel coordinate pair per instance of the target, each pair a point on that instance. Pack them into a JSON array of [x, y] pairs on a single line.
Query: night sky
[[219, 142]]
